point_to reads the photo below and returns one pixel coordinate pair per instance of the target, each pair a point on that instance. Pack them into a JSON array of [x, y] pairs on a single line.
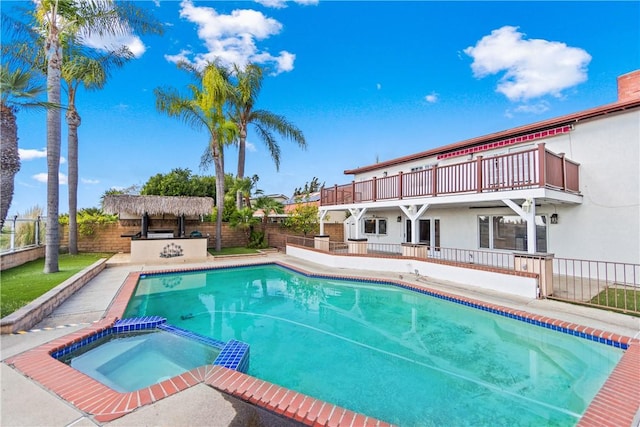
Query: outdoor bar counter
[[168, 249]]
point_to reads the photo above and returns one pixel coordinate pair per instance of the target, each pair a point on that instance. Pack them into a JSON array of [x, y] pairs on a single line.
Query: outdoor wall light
[[526, 205], [399, 219], [554, 218]]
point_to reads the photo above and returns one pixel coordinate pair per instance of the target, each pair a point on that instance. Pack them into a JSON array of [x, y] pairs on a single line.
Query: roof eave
[[566, 119]]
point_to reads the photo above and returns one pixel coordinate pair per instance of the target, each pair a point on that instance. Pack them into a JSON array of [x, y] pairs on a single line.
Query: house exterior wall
[[604, 226]]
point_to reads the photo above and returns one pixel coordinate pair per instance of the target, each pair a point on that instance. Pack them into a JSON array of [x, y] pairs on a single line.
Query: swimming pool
[[388, 352]]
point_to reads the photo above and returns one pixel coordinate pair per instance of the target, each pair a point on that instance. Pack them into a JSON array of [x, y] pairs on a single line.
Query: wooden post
[[400, 185], [542, 165], [479, 173], [564, 171], [374, 190], [434, 180]]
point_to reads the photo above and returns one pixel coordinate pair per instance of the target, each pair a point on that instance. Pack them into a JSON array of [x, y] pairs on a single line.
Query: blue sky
[[365, 81]]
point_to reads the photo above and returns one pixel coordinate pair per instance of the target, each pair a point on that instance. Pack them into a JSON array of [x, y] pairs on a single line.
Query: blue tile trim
[[192, 335], [137, 323], [465, 303], [234, 355], [119, 326], [409, 288]]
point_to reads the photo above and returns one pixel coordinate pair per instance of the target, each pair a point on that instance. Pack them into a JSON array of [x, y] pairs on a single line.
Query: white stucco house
[[567, 186]]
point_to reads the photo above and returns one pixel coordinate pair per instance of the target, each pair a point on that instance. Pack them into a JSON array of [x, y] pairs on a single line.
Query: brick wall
[[629, 86], [19, 257], [107, 237], [277, 234]]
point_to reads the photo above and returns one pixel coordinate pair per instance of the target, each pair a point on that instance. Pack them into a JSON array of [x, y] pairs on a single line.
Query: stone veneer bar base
[[616, 403]]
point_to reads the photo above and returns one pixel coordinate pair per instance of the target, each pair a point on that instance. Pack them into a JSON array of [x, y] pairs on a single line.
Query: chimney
[[629, 86]]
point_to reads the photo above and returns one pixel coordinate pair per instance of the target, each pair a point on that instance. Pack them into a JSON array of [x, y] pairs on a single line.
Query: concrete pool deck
[[24, 402]]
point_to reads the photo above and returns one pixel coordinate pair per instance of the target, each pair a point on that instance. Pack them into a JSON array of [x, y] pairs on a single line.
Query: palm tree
[[268, 205], [91, 71], [245, 95], [60, 20], [18, 89], [204, 108]]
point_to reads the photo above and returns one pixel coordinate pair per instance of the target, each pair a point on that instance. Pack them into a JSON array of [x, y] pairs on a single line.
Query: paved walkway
[[25, 403]]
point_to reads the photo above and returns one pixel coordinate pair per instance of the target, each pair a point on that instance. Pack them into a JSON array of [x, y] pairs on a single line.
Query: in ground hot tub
[[134, 360], [138, 352]]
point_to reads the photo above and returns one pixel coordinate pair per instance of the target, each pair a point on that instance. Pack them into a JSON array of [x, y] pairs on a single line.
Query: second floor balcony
[[534, 168]]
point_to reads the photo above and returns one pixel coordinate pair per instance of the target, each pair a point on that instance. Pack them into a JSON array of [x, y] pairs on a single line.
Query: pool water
[[131, 361], [384, 351]]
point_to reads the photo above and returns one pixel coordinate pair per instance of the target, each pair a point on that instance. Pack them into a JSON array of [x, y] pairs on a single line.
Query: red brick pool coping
[[616, 404]]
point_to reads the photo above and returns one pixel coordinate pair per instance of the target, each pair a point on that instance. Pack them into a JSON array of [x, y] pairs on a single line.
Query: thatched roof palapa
[[156, 205]]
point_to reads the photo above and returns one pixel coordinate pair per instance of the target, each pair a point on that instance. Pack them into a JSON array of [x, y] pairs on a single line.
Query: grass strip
[[233, 251], [623, 299], [22, 284]]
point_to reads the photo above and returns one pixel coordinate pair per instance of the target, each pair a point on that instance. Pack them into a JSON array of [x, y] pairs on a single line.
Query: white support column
[[413, 213], [527, 212], [357, 214], [323, 214]]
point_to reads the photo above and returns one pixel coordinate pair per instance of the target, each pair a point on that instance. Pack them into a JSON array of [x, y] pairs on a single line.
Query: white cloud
[[279, 4], [250, 147], [30, 154], [42, 177], [89, 181], [27, 154], [276, 4], [532, 68], [537, 108], [231, 39], [378, 86], [431, 98], [133, 42], [114, 42]]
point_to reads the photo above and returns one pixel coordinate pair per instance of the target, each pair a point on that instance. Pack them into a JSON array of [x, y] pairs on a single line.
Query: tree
[[308, 188], [243, 189], [18, 89], [180, 182], [269, 205], [131, 190], [244, 220], [304, 218], [91, 70], [59, 20], [203, 108], [245, 94]]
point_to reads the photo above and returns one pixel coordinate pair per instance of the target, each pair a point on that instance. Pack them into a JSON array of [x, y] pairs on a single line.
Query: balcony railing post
[[400, 185], [434, 180], [542, 165], [564, 171], [353, 192], [479, 174], [374, 192]]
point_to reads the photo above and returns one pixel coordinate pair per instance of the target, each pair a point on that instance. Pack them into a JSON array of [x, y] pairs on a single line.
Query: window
[[509, 232], [375, 226], [370, 226]]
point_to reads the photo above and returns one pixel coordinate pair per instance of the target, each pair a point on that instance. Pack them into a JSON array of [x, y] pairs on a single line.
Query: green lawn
[[233, 251], [23, 284], [624, 299]]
